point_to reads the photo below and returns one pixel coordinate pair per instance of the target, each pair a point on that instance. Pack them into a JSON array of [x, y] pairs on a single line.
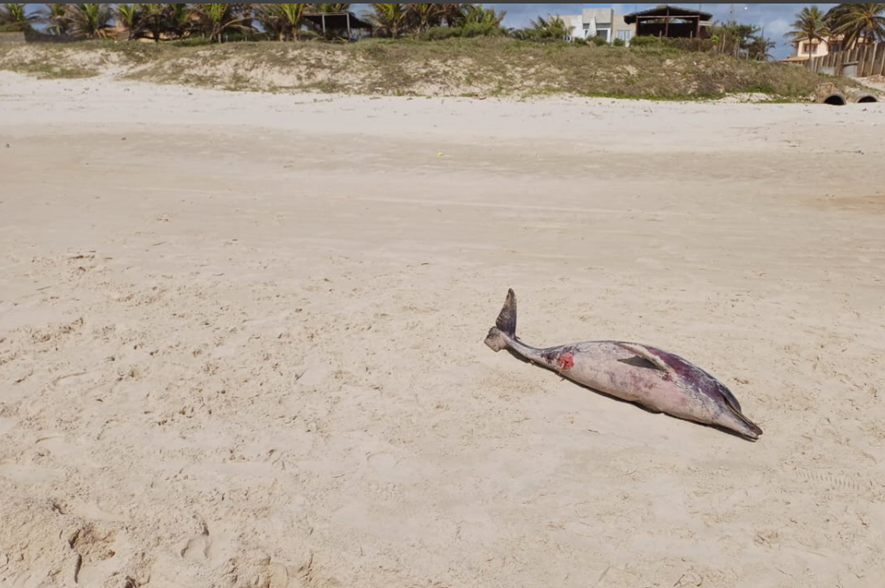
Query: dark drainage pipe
[[834, 99], [863, 97]]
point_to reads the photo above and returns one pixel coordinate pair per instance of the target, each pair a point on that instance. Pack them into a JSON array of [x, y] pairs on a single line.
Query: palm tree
[[835, 14], [475, 13], [389, 20], [759, 48], [217, 18], [55, 17], [454, 14], [12, 16], [270, 19], [551, 28], [858, 22], [424, 16], [89, 20], [130, 16], [153, 19], [179, 20], [246, 13], [283, 20], [734, 38], [811, 24]]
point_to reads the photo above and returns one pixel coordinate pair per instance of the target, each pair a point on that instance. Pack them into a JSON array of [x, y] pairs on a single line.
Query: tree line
[[283, 22], [287, 22], [850, 24]]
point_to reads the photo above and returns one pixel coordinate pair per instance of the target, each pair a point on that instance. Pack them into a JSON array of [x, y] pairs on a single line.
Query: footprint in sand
[[90, 379], [197, 549], [204, 547], [863, 487], [96, 551]]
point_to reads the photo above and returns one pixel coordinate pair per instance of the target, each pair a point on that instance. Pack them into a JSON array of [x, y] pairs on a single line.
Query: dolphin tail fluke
[[504, 332], [506, 321]]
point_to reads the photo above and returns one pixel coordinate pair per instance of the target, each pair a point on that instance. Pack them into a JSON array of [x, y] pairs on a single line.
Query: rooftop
[[665, 11]]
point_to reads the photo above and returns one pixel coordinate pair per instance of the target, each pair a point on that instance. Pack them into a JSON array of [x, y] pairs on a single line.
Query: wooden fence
[[869, 58]]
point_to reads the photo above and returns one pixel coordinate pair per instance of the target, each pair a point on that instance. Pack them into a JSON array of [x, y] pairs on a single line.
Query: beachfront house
[[344, 24], [805, 49], [671, 21], [598, 22]]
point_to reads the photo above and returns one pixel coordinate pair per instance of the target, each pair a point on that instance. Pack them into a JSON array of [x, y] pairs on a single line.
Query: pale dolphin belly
[[608, 367]]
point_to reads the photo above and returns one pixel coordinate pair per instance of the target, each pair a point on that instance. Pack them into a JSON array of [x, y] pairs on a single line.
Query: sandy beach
[[241, 340]]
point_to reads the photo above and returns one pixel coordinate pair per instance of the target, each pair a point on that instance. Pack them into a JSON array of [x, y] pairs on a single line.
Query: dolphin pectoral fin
[[729, 398], [647, 355]]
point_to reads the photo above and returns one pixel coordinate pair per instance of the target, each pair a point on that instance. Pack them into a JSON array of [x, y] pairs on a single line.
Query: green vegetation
[[483, 66], [857, 22], [225, 22], [417, 49], [854, 23], [13, 19], [550, 29], [733, 38], [89, 21]]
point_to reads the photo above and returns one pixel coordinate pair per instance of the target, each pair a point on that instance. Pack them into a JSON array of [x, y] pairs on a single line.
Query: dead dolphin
[[655, 379]]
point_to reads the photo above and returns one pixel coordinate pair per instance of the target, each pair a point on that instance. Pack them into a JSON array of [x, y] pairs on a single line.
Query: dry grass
[[455, 67]]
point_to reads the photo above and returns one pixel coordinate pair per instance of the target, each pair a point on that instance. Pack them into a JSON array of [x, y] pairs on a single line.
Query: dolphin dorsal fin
[[647, 355]]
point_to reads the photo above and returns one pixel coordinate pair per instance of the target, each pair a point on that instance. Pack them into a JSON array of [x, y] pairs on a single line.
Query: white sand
[[241, 340]]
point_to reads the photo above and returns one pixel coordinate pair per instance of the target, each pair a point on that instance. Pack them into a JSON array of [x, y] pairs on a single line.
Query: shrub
[[192, 42], [618, 42], [679, 44], [469, 30], [694, 44], [649, 41], [15, 27], [440, 33], [598, 41]]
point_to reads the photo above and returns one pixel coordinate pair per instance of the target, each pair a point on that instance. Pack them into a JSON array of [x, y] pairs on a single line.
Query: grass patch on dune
[[51, 71], [453, 67]]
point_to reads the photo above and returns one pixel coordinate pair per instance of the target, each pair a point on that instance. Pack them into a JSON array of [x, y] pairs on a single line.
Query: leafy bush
[[618, 42], [192, 42], [650, 41], [440, 33], [595, 40], [693, 44], [528, 34], [480, 29], [15, 27], [468, 30], [678, 44]]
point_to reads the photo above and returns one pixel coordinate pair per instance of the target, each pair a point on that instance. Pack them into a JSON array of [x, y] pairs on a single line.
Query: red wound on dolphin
[[566, 360]]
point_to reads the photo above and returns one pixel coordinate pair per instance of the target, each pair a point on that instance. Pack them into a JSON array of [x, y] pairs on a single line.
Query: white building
[[599, 22]]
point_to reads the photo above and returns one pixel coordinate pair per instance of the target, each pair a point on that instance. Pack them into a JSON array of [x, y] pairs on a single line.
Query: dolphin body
[[655, 379]]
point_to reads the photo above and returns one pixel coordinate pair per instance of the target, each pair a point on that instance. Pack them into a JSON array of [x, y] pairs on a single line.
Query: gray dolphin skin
[[655, 379]]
